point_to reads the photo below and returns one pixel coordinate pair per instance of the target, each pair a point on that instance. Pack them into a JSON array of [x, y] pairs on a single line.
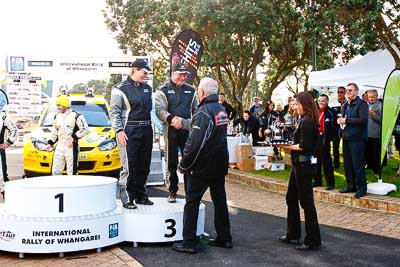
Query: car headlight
[[108, 144], [40, 144]]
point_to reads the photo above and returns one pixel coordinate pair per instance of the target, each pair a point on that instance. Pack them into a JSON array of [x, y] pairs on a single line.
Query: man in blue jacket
[[354, 125]]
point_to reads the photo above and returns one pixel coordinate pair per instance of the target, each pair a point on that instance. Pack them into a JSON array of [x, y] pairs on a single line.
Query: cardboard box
[[275, 166], [263, 150], [260, 162], [246, 164], [244, 152]]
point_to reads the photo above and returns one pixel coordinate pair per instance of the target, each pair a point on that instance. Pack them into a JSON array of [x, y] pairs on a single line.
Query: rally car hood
[[94, 138]]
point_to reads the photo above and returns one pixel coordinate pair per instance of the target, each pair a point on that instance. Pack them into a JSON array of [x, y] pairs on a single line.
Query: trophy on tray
[[278, 135]]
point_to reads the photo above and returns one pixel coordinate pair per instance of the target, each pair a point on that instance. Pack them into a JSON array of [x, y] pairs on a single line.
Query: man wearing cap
[[175, 104], [68, 127], [130, 109]]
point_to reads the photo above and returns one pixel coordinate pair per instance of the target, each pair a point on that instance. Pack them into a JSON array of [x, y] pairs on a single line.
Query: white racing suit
[[6, 125], [65, 125]]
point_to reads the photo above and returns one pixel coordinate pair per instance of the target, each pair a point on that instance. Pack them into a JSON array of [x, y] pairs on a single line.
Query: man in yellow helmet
[[68, 127]]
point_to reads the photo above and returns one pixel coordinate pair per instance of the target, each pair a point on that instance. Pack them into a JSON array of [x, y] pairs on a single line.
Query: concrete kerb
[[372, 202]]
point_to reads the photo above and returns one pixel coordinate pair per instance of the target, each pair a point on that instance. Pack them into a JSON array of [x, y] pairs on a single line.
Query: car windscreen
[[96, 115]]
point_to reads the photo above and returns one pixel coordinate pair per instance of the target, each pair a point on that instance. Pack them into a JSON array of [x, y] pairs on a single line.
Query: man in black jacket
[[175, 103], [205, 159], [231, 111], [354, 125], [337, 108]]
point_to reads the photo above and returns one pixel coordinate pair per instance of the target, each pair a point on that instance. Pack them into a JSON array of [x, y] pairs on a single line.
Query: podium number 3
[[170, 227], [60, 202]]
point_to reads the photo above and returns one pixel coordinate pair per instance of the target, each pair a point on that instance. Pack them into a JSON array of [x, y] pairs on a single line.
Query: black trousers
[[373, 154], [354, 163], [300, 190], [4, 164], [176, 139], [139, 147], [397, 142], [196, 187], [336, 155], [324, 160]]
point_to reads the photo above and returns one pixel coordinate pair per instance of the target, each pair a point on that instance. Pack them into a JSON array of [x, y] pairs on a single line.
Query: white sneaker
[[172, 198]]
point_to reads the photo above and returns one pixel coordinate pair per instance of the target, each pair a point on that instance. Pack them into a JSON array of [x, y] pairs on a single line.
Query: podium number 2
[[170, 227], [60, 202]]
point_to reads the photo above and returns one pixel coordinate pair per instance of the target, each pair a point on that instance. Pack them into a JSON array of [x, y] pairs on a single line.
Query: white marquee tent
[[370, 71]]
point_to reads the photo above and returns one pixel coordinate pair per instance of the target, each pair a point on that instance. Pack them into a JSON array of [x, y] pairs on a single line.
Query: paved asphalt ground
[[255, 244]]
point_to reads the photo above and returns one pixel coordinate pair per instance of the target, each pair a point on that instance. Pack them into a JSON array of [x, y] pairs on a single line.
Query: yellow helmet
[[62, 100]]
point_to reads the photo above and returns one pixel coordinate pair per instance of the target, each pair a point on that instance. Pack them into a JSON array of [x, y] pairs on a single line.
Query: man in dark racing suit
[[175, 103], [205, 159], [130, 108]]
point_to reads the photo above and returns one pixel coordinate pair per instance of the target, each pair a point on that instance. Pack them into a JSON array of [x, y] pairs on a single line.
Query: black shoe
[[184, 248], [307, 247], [345, 190], [221, 244], [285, 239], [329, 187], [358, 195], [317, 184], [144, 201], [129, 205]]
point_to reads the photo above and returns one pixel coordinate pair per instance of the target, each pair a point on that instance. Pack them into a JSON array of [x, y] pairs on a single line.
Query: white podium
[[61, 196], [57, 214]]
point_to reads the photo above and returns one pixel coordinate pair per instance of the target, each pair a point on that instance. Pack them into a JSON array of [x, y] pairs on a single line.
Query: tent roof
[[371, 71]]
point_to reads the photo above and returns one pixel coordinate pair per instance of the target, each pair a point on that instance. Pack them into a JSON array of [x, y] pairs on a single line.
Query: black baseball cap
[[180, 68], [141, 64]]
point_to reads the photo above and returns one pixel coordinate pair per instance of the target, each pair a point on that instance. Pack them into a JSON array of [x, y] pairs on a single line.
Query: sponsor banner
[[390, 109], [58, 68], [37, 63], [187, 49], [41, 236]]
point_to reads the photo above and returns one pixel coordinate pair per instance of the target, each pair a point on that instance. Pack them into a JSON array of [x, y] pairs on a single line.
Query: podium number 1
[[60, 202]]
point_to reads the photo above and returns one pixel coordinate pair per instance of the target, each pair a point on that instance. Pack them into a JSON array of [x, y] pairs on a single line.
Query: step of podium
[[44, 232], [157, 168], [155, 178], [60, 196], [156, 165]]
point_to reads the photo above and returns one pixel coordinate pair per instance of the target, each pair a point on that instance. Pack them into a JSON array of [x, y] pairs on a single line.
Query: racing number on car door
[[171, 227]]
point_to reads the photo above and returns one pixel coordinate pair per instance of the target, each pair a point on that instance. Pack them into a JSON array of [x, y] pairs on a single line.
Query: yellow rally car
[[98, 150]]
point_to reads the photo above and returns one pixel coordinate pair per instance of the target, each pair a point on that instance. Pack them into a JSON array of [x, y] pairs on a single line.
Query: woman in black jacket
[[266, 119], [300, 183], [249, 125]]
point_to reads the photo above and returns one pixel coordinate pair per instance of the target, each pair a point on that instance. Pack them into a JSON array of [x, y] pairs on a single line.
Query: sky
[[55, 28]]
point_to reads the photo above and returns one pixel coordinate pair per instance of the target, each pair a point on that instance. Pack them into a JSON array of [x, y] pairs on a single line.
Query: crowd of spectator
[[350, 119]]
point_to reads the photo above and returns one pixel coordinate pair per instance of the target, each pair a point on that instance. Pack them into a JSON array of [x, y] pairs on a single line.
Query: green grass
[[388, 175]]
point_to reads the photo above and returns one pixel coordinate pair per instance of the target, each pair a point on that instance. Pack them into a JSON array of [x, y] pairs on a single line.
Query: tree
[[98, 86], [363, 25], [235, 34], [114, 79]]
